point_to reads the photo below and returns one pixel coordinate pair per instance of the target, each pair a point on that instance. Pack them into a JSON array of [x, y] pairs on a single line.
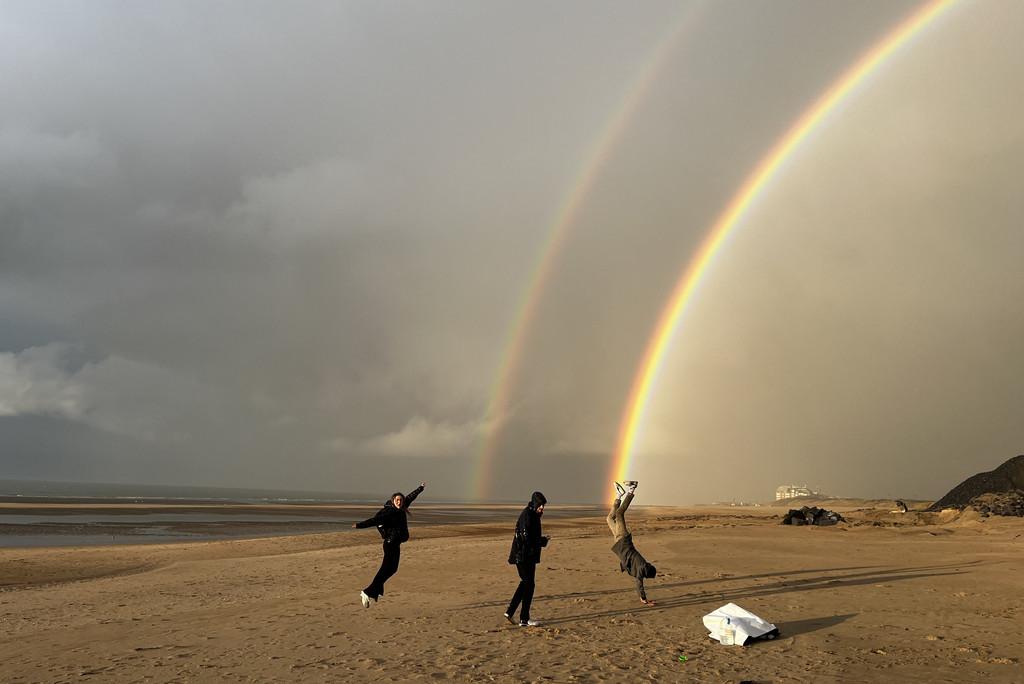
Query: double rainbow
[[766, 169], [498, 409]]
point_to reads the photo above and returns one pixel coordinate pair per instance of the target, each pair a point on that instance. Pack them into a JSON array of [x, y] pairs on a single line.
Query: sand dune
[[878, 599]]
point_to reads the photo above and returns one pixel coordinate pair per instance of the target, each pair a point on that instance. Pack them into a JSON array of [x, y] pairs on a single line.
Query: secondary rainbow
[[668, 321], [565, 217]]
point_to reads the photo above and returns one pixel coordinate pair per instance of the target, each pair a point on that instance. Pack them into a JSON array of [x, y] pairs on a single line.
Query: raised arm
[[411, 496]]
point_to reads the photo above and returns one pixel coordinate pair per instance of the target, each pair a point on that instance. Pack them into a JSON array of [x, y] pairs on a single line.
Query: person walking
[[393, 525], [630, 559], [525, 555]]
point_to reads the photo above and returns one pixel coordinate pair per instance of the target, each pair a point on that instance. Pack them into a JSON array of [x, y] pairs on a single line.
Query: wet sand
[[884, 598], [50, 523]]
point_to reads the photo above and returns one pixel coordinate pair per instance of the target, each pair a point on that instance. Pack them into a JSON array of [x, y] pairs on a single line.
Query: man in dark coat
[[630, 559], [525, 555], [393, 525]]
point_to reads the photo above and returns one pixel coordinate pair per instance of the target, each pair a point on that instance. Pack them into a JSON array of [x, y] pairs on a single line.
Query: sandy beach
[[921, 597]]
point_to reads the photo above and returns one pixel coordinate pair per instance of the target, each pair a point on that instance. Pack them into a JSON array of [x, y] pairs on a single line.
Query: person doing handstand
[[630, 559]]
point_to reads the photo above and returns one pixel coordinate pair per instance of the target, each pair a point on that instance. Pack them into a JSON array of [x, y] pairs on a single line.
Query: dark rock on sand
[[811, 515], [1006, 478], [1007, 503]]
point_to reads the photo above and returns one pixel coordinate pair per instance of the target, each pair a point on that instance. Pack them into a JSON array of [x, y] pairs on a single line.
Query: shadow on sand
[[798, 627], [672, 585], [827, 579], [772, 589]]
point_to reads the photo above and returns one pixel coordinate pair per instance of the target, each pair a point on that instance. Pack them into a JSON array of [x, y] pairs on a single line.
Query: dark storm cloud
[[283, 234], [268, 244]]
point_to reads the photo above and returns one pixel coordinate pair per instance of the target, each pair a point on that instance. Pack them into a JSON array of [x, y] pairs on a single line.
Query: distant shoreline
[[90, 523]]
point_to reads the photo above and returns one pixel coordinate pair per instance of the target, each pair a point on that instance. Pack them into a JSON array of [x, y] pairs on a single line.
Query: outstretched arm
[[640, 589], [370, 522], [411, 496]]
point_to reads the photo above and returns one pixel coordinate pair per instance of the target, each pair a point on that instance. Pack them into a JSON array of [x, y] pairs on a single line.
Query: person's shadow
[[782, 584], [661, 586]]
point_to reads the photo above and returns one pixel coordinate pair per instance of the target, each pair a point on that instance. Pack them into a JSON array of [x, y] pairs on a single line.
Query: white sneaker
[[619, 491], [509, 618], [365, 599], [529, 623]]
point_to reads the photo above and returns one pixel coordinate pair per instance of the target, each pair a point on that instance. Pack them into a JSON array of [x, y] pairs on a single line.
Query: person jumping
[[393, 525], [630, 559]]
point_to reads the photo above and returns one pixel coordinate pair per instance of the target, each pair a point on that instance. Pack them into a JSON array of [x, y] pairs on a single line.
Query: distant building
[[793, 491]]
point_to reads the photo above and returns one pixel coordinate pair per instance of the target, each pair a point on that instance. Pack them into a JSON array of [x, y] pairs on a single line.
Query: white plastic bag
[[746, 624]]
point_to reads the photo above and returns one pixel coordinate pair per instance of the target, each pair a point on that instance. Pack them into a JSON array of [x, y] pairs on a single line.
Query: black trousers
[[388, 567], [524, 592]]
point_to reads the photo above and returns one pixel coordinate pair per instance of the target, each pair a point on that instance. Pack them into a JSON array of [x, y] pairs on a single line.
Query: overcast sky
[[267, 244]]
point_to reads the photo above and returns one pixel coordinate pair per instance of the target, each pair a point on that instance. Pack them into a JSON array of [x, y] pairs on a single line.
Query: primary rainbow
[[593, 161], [769, 165]]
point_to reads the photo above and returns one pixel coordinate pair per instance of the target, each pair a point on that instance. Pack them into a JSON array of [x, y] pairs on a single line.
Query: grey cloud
[[322, 198], [289, 241], [422, 438], [114, 394], [32, 160], [33, 382]]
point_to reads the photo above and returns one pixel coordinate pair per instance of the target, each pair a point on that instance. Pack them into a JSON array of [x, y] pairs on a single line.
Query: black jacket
[[392, 522], [632, 562], [527, 541]]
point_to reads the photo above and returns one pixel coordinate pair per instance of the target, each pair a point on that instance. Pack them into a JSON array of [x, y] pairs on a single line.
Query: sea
[[35, 513]]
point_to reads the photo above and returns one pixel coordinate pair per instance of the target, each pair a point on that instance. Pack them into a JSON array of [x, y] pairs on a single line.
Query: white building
[[792, 491]]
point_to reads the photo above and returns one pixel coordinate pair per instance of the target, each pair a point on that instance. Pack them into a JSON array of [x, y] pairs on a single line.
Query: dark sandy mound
[[1008, 477]]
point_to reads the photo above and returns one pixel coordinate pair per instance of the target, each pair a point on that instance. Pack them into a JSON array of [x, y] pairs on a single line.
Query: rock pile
[[811, 515], [1007, 503], [1008, 477]]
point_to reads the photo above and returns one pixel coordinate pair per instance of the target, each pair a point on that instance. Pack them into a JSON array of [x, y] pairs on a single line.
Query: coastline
[[68, 524], [883, 598]]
